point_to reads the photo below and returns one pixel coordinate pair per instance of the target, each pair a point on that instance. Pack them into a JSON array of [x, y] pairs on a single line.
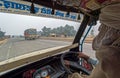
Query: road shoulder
[[3, 41]]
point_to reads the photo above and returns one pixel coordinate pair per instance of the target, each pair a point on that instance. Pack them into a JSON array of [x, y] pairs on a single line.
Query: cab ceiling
[[58, 4]]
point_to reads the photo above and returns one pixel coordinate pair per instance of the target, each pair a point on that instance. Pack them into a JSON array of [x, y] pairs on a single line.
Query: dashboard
[[51, 67], [44, 72], [48, 72], [54, 69]]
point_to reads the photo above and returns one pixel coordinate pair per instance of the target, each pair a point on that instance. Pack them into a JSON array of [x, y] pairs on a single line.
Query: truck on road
[[30, 34]]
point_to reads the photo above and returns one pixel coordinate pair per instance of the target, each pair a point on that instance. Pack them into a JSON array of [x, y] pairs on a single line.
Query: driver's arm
[[89, 59]]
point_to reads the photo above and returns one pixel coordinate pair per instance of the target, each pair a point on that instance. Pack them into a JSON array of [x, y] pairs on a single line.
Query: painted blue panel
[[9, 5]]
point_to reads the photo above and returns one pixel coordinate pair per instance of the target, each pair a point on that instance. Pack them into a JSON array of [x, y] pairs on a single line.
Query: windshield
[[20, 34]]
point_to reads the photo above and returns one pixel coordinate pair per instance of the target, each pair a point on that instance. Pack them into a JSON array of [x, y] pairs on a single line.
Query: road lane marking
[[4, 42], [8, 52]]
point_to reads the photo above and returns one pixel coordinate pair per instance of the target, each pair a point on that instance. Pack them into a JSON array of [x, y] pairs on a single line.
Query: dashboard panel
[[46, 71], [49, 68]]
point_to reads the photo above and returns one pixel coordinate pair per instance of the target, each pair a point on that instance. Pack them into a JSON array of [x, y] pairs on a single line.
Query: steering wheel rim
[[82, 68], [62, 61]]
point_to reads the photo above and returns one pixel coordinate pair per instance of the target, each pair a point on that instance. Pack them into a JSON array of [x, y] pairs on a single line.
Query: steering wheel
[[83, 66]]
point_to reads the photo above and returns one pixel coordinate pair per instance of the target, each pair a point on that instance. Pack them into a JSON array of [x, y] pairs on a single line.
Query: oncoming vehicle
[[51, 63], [30, 34]]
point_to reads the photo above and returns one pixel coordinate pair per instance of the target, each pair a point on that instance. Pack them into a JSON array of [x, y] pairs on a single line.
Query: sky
[[14, 24]]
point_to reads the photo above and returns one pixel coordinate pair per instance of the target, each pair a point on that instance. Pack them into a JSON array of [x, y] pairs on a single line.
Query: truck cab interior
[[54, 63]]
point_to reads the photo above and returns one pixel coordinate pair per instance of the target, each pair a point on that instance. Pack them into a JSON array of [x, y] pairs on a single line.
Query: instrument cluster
[[44, 72]]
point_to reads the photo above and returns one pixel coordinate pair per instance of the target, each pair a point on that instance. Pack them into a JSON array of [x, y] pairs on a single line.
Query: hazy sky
[[14, 24]]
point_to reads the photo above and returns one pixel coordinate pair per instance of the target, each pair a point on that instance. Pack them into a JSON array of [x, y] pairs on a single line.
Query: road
[[18, 46]]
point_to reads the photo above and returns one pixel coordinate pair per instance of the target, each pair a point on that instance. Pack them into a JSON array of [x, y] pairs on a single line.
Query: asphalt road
[[18, 46]]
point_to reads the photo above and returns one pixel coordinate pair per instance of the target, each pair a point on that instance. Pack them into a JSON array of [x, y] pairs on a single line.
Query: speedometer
[[44, 73], [37, 76]]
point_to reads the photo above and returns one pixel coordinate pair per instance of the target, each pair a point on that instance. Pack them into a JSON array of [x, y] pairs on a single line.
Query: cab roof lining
[[49, 3]]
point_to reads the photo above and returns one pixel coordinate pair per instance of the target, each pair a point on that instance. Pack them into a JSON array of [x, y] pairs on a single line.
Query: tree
[[46, 31], [2, 34], [66, 30], [69, 30]]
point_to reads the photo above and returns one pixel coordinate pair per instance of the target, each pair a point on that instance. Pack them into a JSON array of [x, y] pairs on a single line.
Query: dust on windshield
[[21, 34]]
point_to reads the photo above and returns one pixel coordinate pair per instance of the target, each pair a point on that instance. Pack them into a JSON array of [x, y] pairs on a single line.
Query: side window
[[87, 38]]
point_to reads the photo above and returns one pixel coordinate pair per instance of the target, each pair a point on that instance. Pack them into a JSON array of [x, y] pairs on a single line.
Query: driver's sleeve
[[109, 59], [109, 65], [107, 44], [110, 62]]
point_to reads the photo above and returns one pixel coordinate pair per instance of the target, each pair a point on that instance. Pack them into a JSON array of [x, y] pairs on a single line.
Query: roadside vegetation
[[66, 31]]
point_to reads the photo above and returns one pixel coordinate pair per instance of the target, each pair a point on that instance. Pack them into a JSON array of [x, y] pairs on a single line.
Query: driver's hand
[[75, 75], [82, 55]]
